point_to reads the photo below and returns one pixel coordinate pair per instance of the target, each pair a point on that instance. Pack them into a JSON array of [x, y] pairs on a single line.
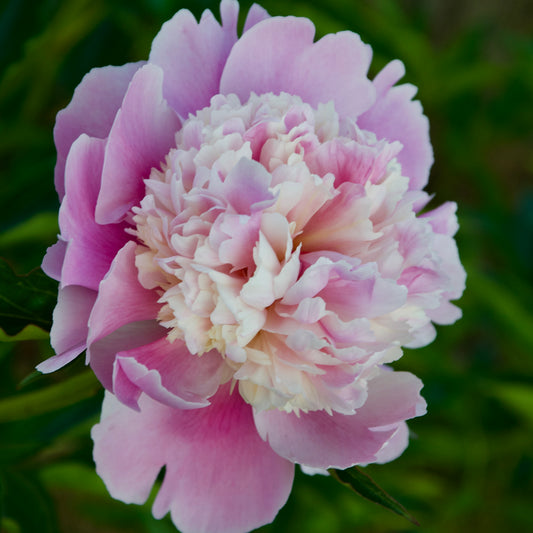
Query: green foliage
[[49, 399], [25, 300], [469, 466], [363, 484]]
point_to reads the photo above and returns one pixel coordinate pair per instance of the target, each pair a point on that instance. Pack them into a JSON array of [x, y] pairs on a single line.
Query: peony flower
[[242, 253]]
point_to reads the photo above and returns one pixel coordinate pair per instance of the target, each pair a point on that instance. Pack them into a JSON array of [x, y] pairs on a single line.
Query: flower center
[[269, 234]]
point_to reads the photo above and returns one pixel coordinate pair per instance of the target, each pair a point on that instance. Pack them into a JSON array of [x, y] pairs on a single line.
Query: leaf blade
[[361, 483], [49, 399]]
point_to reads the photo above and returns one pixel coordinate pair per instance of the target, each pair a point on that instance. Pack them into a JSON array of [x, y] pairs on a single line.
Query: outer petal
[[91, 110], [170, 374], [220, 476], [91, 246], [193, 55], [69, 330], [395, 445], [278, 55], [122, 301], [320, 440], [396, 117], [335, 68], [53, 260], [142, 134], [443, 219], [102, 353], [255, 15]]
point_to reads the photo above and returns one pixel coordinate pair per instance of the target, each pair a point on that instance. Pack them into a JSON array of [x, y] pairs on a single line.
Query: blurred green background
[[469, 466]]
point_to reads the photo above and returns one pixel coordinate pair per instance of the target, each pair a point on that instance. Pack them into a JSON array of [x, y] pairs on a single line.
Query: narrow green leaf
[[365, 486], [50, 399], [24, 300], [42, 226], [32, 377], [29, 333]]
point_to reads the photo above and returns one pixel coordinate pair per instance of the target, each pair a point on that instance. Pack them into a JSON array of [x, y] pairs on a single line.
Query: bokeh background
[[469, 466]]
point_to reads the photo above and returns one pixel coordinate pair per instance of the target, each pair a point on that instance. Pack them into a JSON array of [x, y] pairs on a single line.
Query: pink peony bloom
[[240, 255]]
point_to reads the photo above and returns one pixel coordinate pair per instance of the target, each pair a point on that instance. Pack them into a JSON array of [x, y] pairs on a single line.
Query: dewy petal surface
[[220, 476]]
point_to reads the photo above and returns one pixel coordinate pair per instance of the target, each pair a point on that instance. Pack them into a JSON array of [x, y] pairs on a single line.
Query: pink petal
[[342, 224], [124, 389], [335, 68], [69, 329], [246, 187], [192, 56], [53, 260], [278, 54], [170, 374], [256, 14], [349, 292], [353, 162], [91, 110], [242, 232], [102, 353], [443, 219], [395, 446], [261, 58], [362, 293], [450, 264], [424, 285], [121, 301], [422, 335], [392, 398], [142, 134], [446, 313], [220, 476], [395, 117], [320, 440], [91, 247]]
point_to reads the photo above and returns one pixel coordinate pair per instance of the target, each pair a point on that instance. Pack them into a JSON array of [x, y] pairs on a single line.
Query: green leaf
[[49, 399], [40, 227], [24, 300], [366, 487], [29, 333], [32, 377]]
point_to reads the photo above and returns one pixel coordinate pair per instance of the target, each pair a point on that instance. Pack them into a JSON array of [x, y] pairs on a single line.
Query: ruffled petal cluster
[[243, 250]]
